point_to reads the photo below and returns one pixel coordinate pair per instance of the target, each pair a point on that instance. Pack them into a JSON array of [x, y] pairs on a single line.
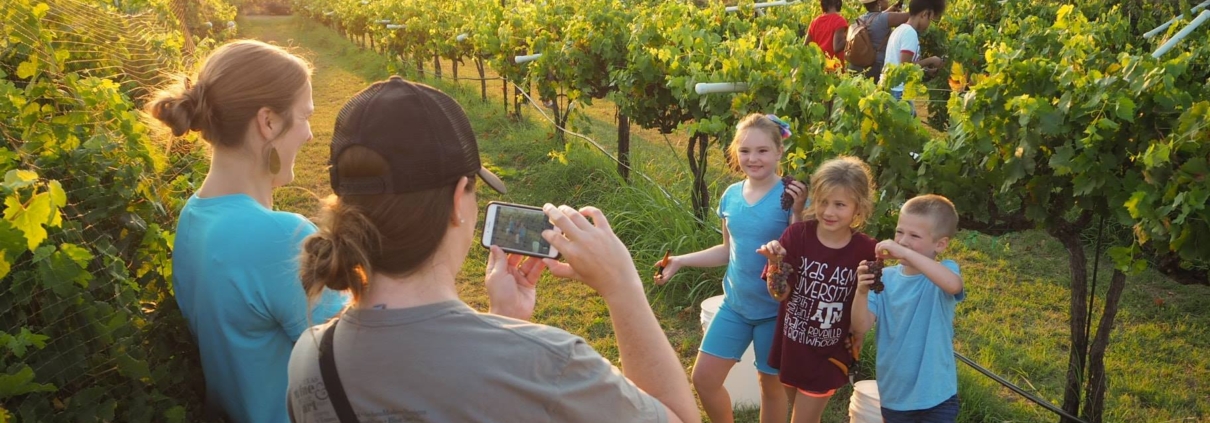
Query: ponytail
[[339, 255]]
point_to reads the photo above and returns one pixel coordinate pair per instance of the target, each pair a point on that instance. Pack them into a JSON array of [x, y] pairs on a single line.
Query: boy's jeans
[[946, 412]]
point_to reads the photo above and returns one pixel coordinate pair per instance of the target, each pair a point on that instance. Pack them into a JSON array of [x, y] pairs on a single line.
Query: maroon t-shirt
[[813, 323]]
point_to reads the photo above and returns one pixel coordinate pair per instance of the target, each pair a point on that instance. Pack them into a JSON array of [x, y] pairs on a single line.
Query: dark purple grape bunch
[[787, 200], [876, 269]]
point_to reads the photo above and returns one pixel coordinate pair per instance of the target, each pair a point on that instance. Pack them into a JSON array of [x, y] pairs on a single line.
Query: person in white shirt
[[904, 44]]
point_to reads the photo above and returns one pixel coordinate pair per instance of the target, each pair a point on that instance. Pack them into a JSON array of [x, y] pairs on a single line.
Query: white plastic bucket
[[864, 405], [742, 383]]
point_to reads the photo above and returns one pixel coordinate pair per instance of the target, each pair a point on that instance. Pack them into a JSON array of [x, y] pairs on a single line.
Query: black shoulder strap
[[327, 369]]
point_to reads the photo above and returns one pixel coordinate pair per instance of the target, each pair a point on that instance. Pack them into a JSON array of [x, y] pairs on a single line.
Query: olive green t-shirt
[[445, 362]]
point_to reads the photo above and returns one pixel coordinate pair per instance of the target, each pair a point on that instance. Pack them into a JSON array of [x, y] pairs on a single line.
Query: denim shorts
[[729, 335], [946, 412]]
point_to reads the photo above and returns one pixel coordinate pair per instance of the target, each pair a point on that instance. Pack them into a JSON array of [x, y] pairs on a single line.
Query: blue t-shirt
[[235, 277], [750, 227], [916, 366]]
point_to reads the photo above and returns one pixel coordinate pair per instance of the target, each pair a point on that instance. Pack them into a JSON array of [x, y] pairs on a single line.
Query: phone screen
[[517, 229]]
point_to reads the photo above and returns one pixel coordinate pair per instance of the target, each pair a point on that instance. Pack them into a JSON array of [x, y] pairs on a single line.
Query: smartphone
[[517, 229], [899, 6]]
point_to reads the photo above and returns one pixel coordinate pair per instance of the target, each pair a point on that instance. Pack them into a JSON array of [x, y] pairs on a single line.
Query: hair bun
[[201, 113], [184, 110], [339, 255]]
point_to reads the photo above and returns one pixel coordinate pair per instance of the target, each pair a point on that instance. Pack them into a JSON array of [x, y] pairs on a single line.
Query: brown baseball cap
[[421, 132]]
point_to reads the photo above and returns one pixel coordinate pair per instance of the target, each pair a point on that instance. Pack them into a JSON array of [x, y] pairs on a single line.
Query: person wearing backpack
[[865, 42], [829, 29]]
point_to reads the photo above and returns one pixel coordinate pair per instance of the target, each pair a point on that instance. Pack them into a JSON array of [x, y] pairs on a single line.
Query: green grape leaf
[[40, 10], [1127, 260], [58, 197], [1060, 161], [5, 267], [58, 272], [1125, 109], [1132, 205], [6, 156], [27, 69], [133, 368], [175, 414], [42, 253], [21, 383], [17, 178], [29, 219], [81, 256], [1156, 155], [21, 342], [1051, 122], [11, 239]]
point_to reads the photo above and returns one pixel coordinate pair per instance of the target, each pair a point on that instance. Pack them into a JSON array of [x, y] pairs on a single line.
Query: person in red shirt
[[823, 253], [829, 29]]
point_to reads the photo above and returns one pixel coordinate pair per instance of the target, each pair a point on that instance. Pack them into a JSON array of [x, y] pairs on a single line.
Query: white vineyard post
[[1165, 26], [1201, 19], [703, 88]]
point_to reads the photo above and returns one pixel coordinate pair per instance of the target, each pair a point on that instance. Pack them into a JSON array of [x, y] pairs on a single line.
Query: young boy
[[917, 374], [904, 44]]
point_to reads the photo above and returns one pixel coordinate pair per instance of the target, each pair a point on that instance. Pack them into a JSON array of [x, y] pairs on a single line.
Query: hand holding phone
[[511, 283], [593, 253], [517, 229]]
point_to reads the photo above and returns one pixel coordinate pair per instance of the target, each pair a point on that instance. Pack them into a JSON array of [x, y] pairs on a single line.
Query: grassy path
[[1014, 319]]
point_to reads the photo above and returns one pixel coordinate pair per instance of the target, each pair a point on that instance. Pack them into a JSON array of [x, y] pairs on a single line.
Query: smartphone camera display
[[517, 229]]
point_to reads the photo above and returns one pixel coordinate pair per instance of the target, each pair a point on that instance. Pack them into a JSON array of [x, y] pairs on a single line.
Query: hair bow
[[781, 124]]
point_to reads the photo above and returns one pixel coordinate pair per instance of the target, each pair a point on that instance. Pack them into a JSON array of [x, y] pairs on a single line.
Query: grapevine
[[89, 330]]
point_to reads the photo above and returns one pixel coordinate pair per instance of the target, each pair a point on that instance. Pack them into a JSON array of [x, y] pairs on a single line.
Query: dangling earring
[[274, 160]]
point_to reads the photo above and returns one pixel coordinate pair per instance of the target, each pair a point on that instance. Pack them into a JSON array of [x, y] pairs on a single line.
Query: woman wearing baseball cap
[[404, 167]]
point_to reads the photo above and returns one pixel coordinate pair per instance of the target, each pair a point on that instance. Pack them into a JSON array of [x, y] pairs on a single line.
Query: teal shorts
[[730, 334]]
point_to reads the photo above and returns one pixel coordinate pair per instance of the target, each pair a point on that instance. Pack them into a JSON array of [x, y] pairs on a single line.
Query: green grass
[[1014, 320]]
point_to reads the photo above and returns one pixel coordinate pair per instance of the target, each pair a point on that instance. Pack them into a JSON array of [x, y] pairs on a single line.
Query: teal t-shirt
[[750, 226], [235, 277], [916, 365]]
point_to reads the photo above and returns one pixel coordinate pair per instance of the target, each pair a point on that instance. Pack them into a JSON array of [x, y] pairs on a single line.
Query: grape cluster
[[778, 279], [876, 268], [787, 201]]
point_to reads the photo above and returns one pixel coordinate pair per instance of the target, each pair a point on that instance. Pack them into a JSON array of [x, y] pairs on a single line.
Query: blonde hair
[[234, 83], [936, 208], [757, 122], [846, 173]]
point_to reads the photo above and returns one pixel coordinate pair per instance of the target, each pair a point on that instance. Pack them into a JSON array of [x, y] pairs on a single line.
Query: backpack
[[858, 48]]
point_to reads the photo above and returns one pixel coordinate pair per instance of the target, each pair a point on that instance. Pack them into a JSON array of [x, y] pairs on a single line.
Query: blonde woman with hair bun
[[235, 258]]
